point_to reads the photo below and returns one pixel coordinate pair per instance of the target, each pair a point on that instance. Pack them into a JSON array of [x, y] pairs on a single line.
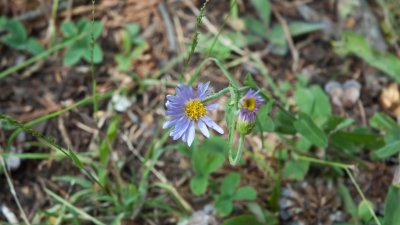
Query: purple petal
[[202, 90], [210, 123], [180, 129], [190, 133], [212, 106], [203, 128]]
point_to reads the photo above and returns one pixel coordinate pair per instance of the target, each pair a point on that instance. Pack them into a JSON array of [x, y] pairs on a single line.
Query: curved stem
[[362, 196], [222, 92], [234, 160]]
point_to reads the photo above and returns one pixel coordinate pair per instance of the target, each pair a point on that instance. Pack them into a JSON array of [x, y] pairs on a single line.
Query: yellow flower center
[[194, 109], [249, 103]]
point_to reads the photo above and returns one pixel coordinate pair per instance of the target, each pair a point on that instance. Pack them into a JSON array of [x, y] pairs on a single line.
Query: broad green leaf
[[295, 170], [305, 126], [199, 158], [363, 211], [388, 150], [69, 29], [263, 8], [213, 163], [97, 29], [73, 56], [124, 63], [284, 123], [255, 26], [337, 123], [322, 105], [33, 46], [382, 121], [215, 144], [230, 183], [245, 193], [97, 54], [264, 118], [349, 204], [305, 100], [358, 137], [392, 207], [242, 220], [198, 184], [355, 44], [223, 205], [133, 29]]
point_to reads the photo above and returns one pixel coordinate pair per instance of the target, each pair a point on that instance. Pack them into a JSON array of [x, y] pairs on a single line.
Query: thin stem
[[353, 180], [323, 162], [234, 160], [13, 193], [95, 106], [222, 92]]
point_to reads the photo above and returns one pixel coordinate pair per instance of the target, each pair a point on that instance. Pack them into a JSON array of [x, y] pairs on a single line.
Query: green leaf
[[363, 211], [75, 158], [263, 116], [213, 163], [356, 44], [124, 63], [337, 123], [245, 193], [69, 29], [296, 170], [322, 105], [263, 8], [284, 123], [223, 205], [392, 206], [230, 183], [358, 137], [388, 150], [215, 144], [33, 46], [304, 100], [97, 29], [16, 35], [73, 55], [382, 121], [198, 184], [349, 204], [242, 220], [305, 126], [97, 54], [255, 26], [133, 29], [199, 158]]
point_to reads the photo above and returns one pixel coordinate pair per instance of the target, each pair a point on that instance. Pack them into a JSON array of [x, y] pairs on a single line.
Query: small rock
[[9, 215], [351, 93], [121, 103], [335, 91]]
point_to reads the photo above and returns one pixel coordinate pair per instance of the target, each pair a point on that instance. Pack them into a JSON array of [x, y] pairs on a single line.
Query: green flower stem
[[92, 76], [38, 57], [362, 196], [323, 162], [234, 160], [228, 75], [222, 92]]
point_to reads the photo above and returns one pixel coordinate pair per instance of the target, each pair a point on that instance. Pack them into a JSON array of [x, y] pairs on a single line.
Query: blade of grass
[[74, 208]]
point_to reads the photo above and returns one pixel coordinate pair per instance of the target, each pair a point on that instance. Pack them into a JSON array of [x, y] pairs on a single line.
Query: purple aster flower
[[249, 106], [185, 109]]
